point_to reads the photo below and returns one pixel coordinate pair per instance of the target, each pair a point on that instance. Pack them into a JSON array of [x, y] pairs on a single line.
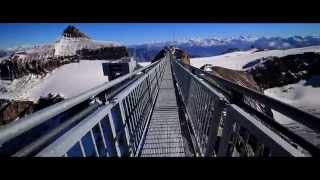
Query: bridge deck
[[164, 136]]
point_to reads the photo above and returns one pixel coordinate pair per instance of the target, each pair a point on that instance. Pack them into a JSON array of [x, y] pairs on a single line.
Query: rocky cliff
[[104, 53], [72, 31], [17, 67], [11, 109], [241, 78], [279, 71]]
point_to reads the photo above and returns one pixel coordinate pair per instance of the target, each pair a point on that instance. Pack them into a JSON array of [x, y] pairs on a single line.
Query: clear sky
[[16, 34]]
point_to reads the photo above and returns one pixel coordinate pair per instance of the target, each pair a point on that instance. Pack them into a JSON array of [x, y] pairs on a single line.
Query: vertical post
[[94, 143], [125, 124], [149, 89], [214, 127], [114, 133]]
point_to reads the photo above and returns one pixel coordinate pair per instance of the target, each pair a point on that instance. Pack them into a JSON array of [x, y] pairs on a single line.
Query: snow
[[3, 58], [300, 95], [236, 60], [144, 63], [15, 89], [68, 80], [67, 46], [71, 79]]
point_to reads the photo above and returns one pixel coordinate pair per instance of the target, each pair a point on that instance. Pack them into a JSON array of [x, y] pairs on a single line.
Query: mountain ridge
[[206, 47]]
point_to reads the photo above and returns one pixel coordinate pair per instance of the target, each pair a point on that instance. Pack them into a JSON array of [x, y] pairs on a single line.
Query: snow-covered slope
[[68, 80], [301, 95], [236, 60]]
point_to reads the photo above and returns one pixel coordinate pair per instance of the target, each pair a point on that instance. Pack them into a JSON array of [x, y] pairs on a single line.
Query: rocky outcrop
[[51, 99], [72, 31], [241, 78], [178, 53], [11, 109], [17, 67], [182, 55], [279, 71], [103, 53]]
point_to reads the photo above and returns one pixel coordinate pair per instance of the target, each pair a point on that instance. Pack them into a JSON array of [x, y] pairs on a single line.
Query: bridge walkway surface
[[164, 136]]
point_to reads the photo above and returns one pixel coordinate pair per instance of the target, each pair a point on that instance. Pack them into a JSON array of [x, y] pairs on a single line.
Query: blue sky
[[16, 34]]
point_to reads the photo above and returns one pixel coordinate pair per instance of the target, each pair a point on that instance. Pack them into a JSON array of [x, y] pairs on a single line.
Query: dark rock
[[72, 31], [103, 53], [11, 110], [279, 71], [182, 55], [51, 99], [11, 69]]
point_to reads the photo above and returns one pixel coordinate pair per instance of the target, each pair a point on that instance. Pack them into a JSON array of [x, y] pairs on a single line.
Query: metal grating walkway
[[164, 136]]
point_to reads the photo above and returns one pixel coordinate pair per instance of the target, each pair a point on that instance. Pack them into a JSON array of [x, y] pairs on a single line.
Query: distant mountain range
[[73, 40], [216, 46]]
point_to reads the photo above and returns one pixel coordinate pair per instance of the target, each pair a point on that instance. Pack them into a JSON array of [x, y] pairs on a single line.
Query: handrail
[[299, 115], [21, 126]]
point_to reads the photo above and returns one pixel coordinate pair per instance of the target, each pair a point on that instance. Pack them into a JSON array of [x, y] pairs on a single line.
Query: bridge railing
[[125, 109], [114, 129], [232, 130], [204, 106]]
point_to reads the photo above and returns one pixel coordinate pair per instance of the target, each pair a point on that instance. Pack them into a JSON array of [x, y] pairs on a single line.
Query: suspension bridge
[[166, 109]]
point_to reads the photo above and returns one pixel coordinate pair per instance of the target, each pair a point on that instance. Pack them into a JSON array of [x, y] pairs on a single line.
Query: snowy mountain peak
[[73, 40]]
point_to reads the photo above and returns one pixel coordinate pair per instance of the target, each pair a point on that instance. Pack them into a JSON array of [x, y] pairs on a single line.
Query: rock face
[[11, 69], [182, 55], [279, 71], [11, 110], [241, 78], [51, 99], [103, 53]]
